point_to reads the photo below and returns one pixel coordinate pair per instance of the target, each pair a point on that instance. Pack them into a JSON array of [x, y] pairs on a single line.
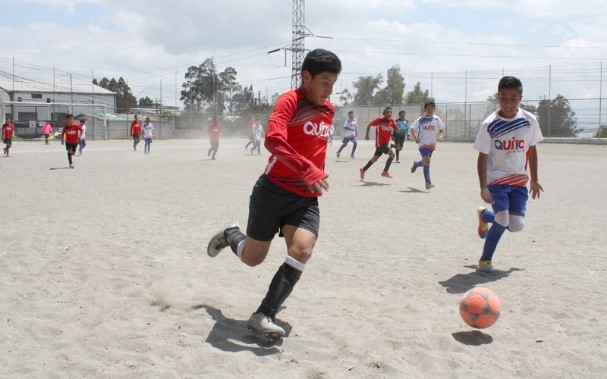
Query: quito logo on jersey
[[510, 145], [429, 127], [319, 130]]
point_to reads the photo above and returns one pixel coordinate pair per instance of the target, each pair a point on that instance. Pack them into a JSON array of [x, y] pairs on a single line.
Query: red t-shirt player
[[384, 127]]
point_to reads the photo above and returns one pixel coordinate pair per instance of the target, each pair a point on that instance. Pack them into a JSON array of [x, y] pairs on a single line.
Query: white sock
[[240, 248], [299, 266]]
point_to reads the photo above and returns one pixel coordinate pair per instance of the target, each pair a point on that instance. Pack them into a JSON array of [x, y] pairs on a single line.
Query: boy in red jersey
[[285, 197], [384, 127], [252, 124], [136, 132], [70, 136], [214, 131], [8, 129]]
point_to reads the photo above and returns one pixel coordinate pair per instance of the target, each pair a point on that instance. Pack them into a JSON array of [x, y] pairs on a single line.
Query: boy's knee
[[300, 253], [252, 260], [517, 223]]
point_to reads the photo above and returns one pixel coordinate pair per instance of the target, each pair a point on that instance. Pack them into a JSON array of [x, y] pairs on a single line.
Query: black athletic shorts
[[398, 138], [383, 149], [71, 146], [271, 207]]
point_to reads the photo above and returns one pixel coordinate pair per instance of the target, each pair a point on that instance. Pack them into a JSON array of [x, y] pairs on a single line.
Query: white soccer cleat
[[262, 324], [219, 240]]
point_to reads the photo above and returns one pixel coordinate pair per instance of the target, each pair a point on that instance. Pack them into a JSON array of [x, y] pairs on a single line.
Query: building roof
[[25, 85]]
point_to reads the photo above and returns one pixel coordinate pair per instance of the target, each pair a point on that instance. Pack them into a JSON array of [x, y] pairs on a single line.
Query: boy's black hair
[[510, 82], [321, 60], [429, 103]]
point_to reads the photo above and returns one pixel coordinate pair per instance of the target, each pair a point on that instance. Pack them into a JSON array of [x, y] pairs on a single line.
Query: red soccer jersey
[[136, 128], [71, 133], [8, 130], [297, 136], [214, 131], [383, 130]]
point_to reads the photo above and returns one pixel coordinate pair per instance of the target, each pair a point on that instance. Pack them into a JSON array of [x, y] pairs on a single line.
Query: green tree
[[417, 96], [345, 96], [602, 132], [124, 98], [392, 93], [207, 89], [243, 100], [556, 118], [366, 86], [146, 102]]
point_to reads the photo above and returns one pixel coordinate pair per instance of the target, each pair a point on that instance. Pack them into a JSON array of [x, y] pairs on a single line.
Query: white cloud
[[147, 41]]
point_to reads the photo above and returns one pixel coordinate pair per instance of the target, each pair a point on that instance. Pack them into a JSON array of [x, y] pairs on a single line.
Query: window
[[36, 96]]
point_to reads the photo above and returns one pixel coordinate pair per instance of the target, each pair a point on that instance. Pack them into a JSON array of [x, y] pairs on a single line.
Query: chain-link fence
[[461, 97]]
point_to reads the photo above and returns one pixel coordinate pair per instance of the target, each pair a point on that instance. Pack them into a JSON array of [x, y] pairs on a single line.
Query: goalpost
[[29, 117]]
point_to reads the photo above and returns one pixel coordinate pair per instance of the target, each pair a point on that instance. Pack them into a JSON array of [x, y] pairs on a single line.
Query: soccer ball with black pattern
[[480, 307]]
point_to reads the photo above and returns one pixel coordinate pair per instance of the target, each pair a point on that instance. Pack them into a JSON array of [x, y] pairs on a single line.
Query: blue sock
[[427, 174], [418, 163], [491, 241]]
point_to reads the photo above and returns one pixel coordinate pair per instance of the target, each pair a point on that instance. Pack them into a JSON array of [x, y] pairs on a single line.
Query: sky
[[151, 44]]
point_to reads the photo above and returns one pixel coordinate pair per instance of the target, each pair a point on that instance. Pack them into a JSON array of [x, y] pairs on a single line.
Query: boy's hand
[[320, 186], [534, 189], [486, 196]]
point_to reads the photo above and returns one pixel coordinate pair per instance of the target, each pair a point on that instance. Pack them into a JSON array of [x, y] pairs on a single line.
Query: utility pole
[[298, 41]]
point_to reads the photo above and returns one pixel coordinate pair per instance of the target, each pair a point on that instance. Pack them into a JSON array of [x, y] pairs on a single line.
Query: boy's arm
[[481, 167], [414, 135], [367, 133], [534, 186]]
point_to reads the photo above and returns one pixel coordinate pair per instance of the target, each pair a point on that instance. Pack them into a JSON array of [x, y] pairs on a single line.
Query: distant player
[[400, 135], [384, 127], [285, 198], [47, 129], [506, 143], [257, 137], [8, 130], [70, 135], [426, 130], [136, 132], [148, 135], [350, 134], [214, 132], [82, 142], [252, 123]]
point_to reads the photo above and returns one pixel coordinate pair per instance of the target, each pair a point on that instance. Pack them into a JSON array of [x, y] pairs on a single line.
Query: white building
[[31, 103]]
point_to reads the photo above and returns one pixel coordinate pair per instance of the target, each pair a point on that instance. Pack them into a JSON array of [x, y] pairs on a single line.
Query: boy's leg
[[300, 243], [354, 143], [344, 142], [387, 166]]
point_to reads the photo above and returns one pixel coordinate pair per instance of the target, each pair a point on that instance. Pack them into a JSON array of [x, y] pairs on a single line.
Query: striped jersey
[[507, 142], [427, 128], [297, 136]]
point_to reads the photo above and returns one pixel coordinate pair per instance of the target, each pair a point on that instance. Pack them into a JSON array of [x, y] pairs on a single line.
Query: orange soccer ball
[[480, 307]]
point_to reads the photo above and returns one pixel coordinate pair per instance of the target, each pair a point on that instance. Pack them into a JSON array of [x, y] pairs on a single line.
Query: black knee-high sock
[[280, 288], [388, 163], [69, 157], [234, 237], [397, 155], [369, 164]]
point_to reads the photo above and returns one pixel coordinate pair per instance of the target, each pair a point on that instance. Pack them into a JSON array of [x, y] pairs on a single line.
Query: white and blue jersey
[[350, 129], [506, 142]]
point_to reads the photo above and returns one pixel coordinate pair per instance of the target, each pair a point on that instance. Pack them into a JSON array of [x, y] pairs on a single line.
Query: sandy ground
[[104, 271]]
